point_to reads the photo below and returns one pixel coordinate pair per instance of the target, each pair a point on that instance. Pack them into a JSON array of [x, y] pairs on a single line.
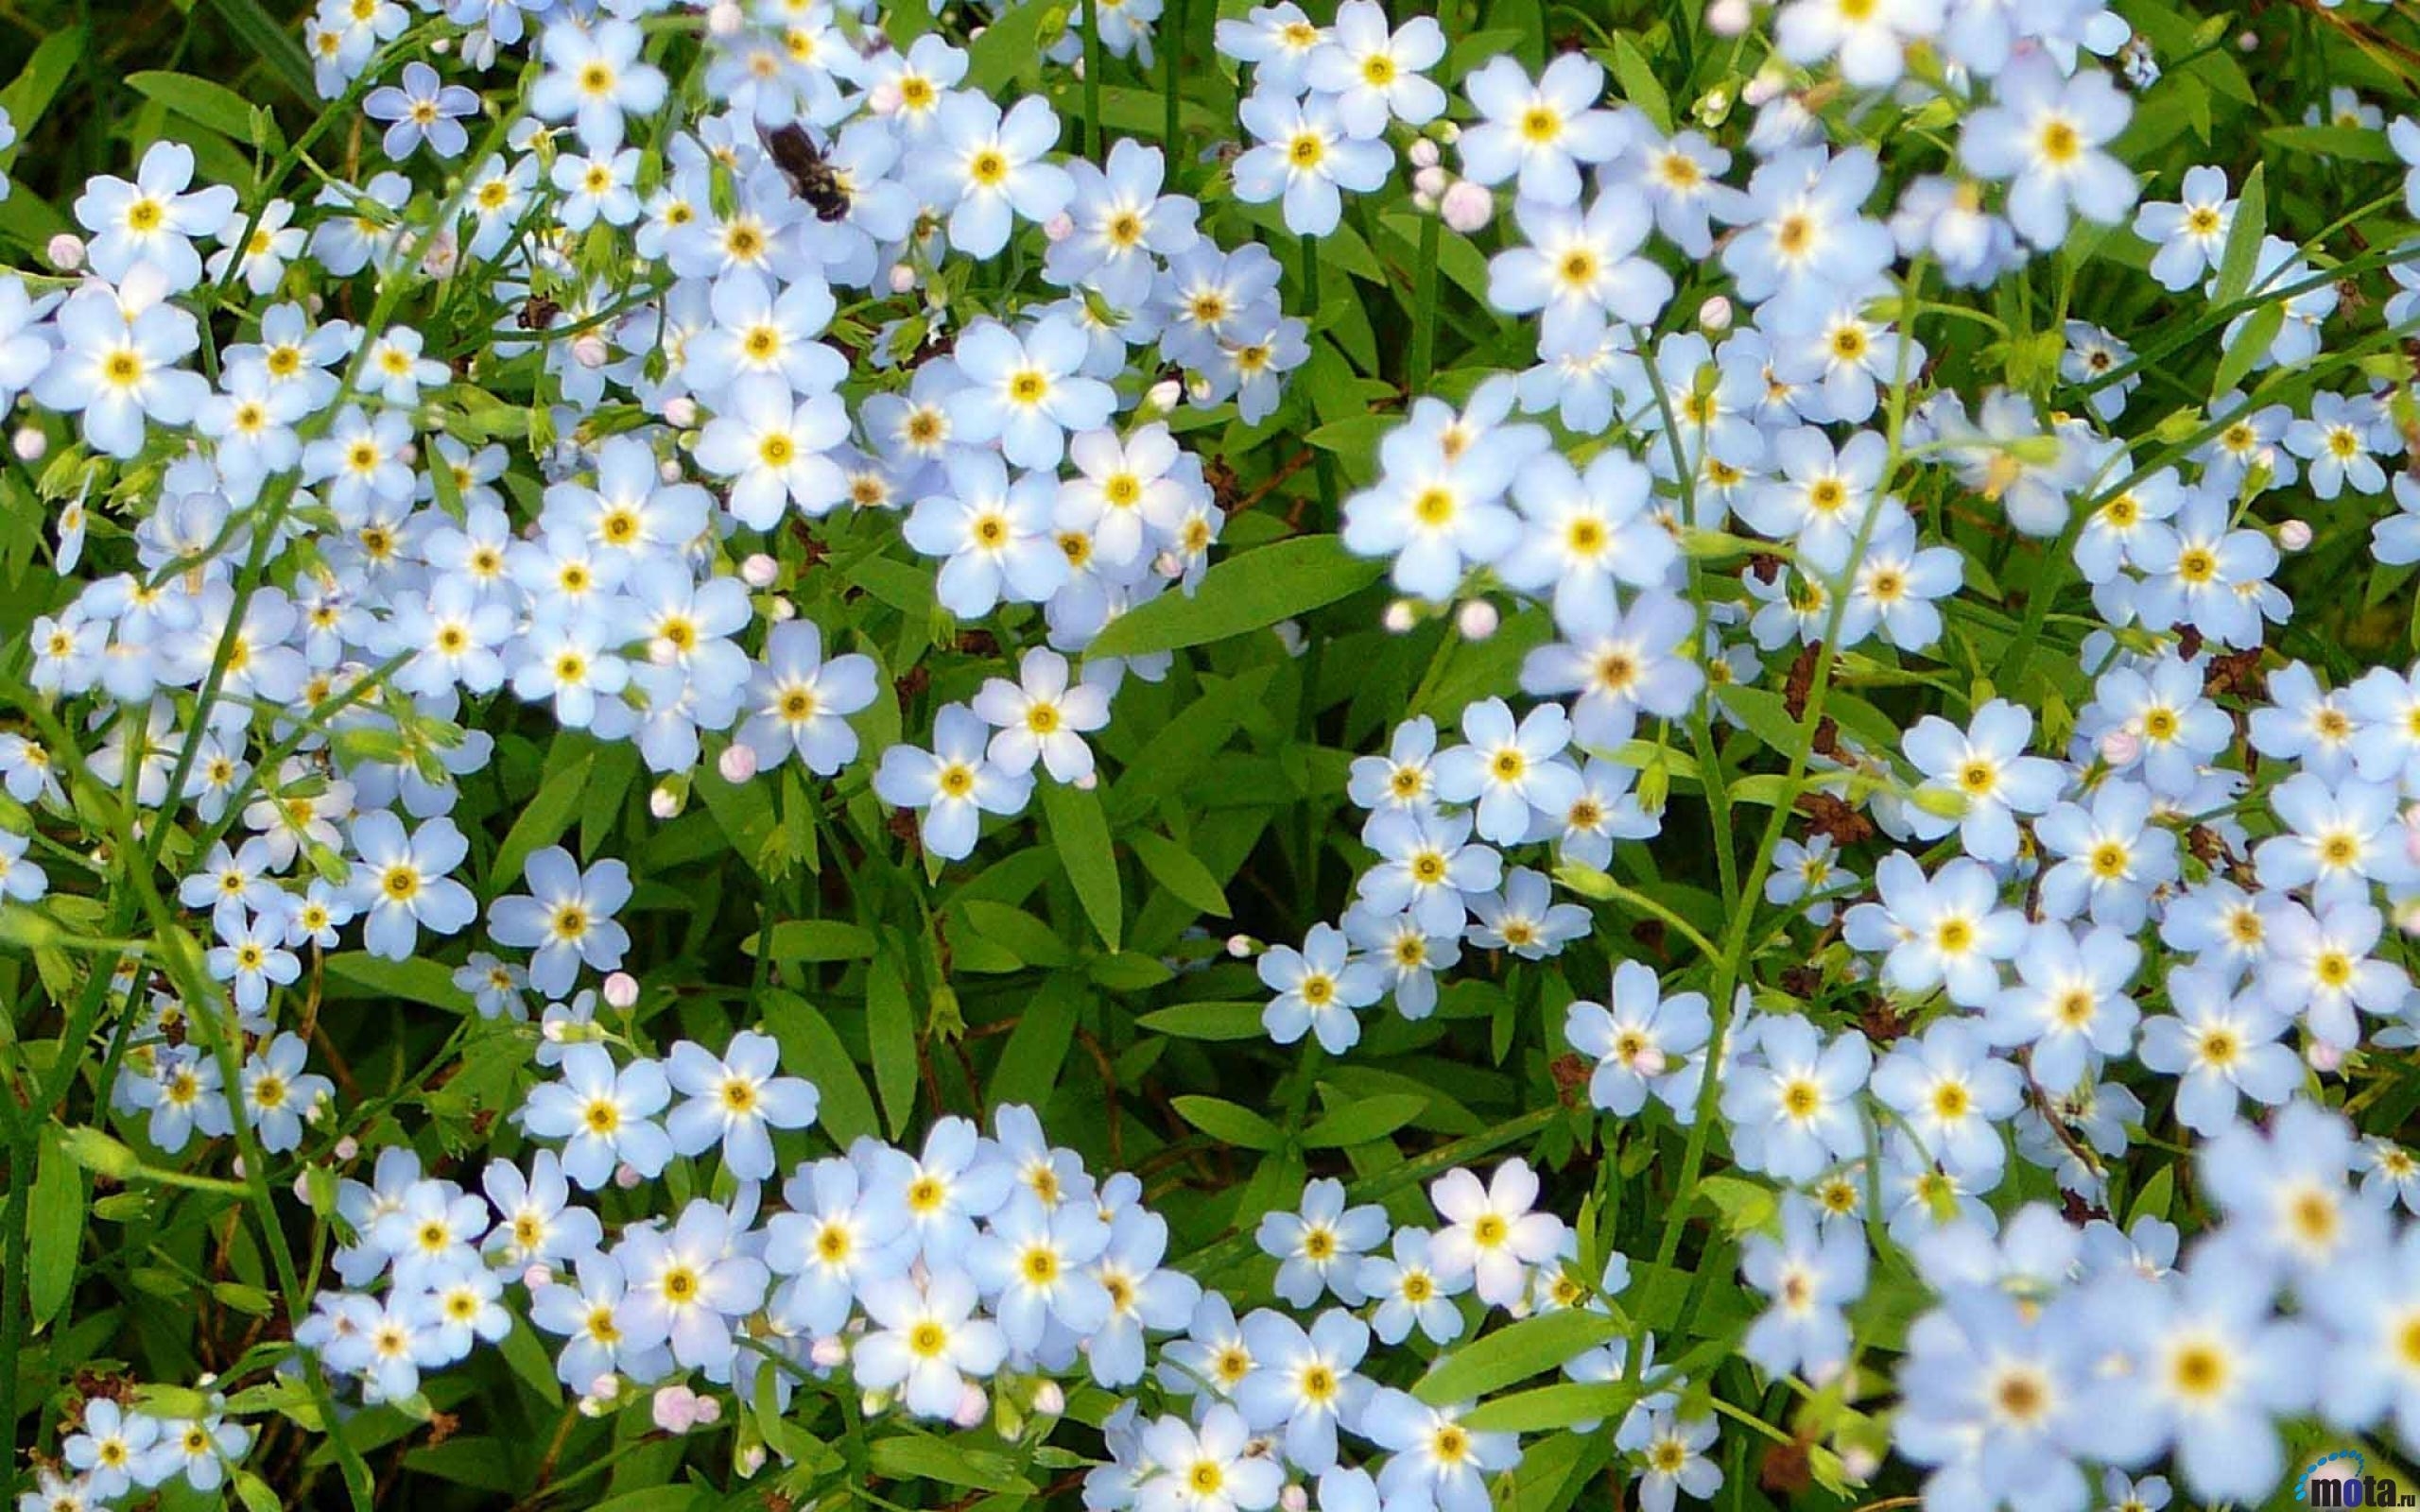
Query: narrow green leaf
[[1639, 85], [1079, 833], [1529, 1347], [417, 980], [1244, 592], [542, 821], [2252, 341], [814, 939], [215, 106], [890, 1028], [2242, 252], [1177, 869], [1229, 1122], [811, 1049], [1037, 1048], [1365, 1119], [918, 1457], [1551, 1407], [272, 41], [55, 1222], [1206, 1020]]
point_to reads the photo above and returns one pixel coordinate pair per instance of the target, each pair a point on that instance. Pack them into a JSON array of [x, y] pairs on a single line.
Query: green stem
[[1171, 60], [1423, 306], [1095, 137]]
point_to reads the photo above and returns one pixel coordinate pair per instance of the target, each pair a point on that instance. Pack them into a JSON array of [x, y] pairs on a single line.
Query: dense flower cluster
[[772, 295]]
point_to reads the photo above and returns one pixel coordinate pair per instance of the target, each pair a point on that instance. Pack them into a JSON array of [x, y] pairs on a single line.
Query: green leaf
[[920, 1457], [527, 1357], [2352, 143], [1549, 1407], [1206, 1020], [1526, 1349], [1011, 44], [1079, 833], [1037, 1047], [814, 939], [421, 981], [1365, 1119], [891, 1029], [1177, 869], [1228, 1122], [810, 1048], [2154, 1197], [272, 41], [54, 1223], [45, 73], [215, 106], [542, 821], [1247, 592], [1022, 939], [2242, 252], [1639, 84], [2250, 343]]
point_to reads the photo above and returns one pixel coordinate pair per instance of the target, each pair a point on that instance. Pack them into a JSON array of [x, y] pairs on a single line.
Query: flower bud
[[626, 1177], [1466, 206], [1294, 1498], [1714, 316], [347, 1147], [737, 764], [709, 1411], [2248, 41], [65, 251], [780, 610], [1400, 617], [1289, 635], [758, 570], [668, 470], [1431, 181], [884, 100], [1760, 90], [1165, 395], [29, 444], [828, 1354], [1424, 153], [302, 1187], [903, 278], [1477, 620], [973, 1407], [588, 349], [664, 802], [750, 1459], [537, 1277], [674, 1409], [1727, 18], [621, 990], [1242, 947], [2121, 747], [681, 410], [1086, 781], [606, 1387], [2293, 535], [1059, 227], [724, 18], [2324, 1058]]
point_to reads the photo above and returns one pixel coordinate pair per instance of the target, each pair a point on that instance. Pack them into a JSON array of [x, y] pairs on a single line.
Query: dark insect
[[802, 162], [538, 314]]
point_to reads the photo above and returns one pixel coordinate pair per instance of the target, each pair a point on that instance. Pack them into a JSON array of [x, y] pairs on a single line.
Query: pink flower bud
[[537, 1278], [1760, 91], [29, 444], [709, 1411], [1086, 782], [1466, 206], [1477, 620], [1400, 617], [621, 990], [972, 1406], [903, 278], [1424, 153], [737, 764], [1241, 946], [626, 1176], [758, 570], [1727, 18], [750, 1459], [302, 1187], [780, 610], [2294, 535], [2324, 1058], [1059, 227], [2121, 747], [675, 1409], [828, 1354], [663, 803], [1165, 395], [1432, 181], [1294, 1498], [347, 1148], [884, 100], [725, 19], [1715, 313], [606, 1386], [668, 471], [1049, 1401], [65, 251], [588, 349], [681, 410]]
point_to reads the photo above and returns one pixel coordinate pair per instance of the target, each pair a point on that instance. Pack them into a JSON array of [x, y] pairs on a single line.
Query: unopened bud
[[1242, 947], [1400, 617], [1165, 395], [1059, 227], [1727, 18], [1049, 1400], [588, 349], [1424, 153], [626, 1176], [973, 1407], [2324, 1058], [621, 990], [1715, 313], [1295, 1498], [2248, 41], [883, 98], [537, 1277], [664, 802], [1086, 781], [725, 19], [737, 764], [65, 251], [1760, 90], [1431, 181], [347, 1147], [780, 610], [750, 1459], [302, 1187], [28, 445], [1466, 206], [675, 1409], [2121, 747], [758, 570], [828, 1354], [668, 471], [2294, 535], [709, 1411], [903, 278], [1477, 620], [681, 410]]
